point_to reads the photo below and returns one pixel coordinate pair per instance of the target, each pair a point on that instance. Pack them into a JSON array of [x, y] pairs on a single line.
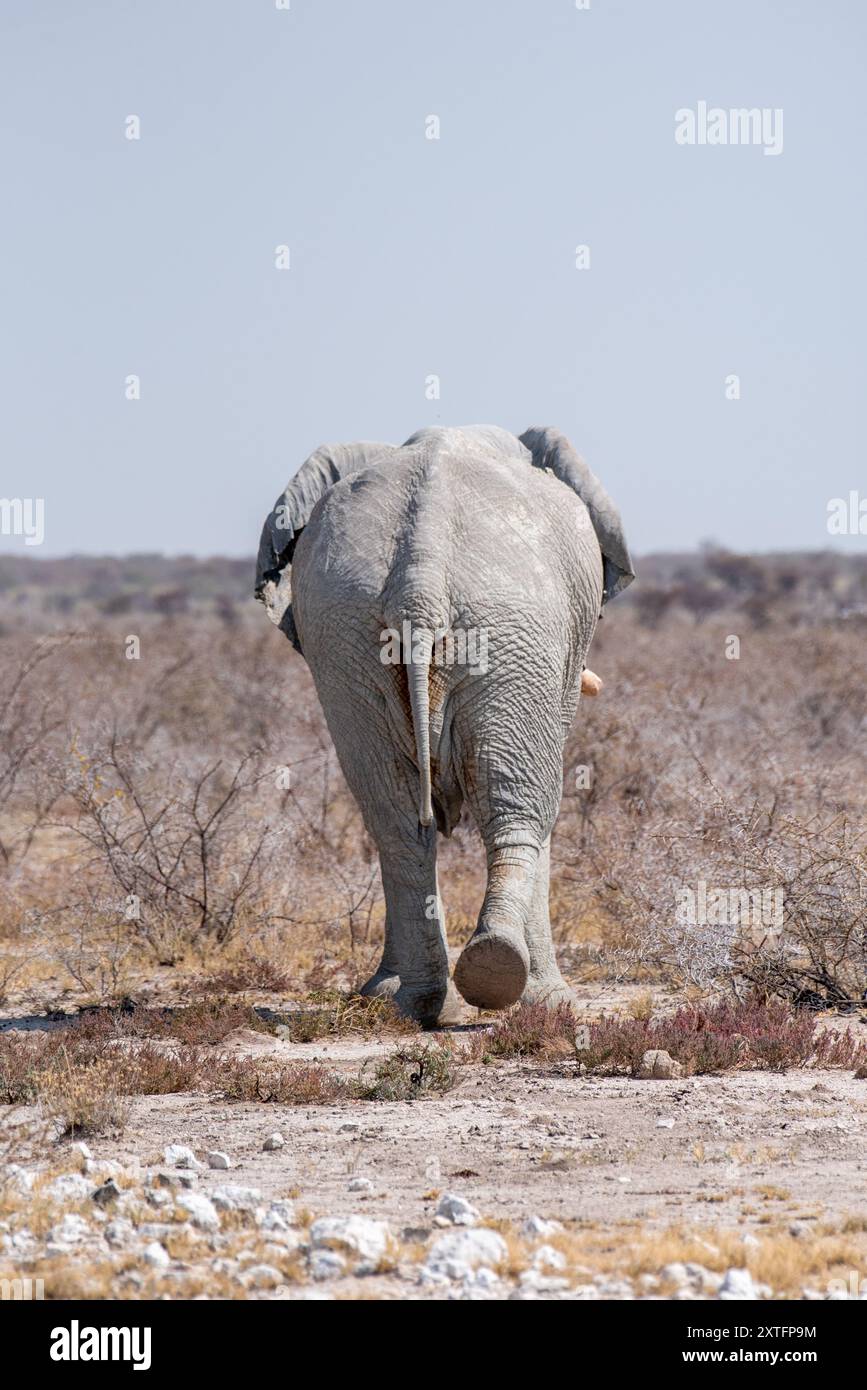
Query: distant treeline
[[809, 586]]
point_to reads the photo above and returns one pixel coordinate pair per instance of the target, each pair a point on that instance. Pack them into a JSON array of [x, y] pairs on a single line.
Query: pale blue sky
[[412, 256]]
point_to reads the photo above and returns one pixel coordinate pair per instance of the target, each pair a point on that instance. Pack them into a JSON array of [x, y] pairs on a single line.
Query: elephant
[[444, 593]]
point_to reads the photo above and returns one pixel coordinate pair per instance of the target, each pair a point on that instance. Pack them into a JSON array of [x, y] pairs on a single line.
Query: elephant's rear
[[455, 591]]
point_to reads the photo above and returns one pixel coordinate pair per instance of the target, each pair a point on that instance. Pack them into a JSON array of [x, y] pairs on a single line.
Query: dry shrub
[[83, 1099], [248, 972], [205, 1021], [292, 1083], [529, 1030], [334, 1014], [93, 1047], [712, 1037], [409, 1073]]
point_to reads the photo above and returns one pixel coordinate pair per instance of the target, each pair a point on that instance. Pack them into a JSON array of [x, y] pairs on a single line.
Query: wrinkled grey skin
[[459, 529]]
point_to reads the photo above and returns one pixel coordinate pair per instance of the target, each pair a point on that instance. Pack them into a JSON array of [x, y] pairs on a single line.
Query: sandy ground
[[740, 1152], [520, 1139]]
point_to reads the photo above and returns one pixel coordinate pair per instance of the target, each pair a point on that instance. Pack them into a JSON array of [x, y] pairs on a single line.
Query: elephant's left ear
[[551, 449], [291, 512]]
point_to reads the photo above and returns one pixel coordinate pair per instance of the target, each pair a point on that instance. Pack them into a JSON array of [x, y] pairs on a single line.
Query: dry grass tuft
[[83, 1100]]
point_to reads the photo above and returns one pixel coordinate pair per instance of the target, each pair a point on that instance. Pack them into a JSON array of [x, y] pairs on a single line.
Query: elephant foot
[[550, 990], [492, 970], [383, 985], [433, 1006], [423, 1003]]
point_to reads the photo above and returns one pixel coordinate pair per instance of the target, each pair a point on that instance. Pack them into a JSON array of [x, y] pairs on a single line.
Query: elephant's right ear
[[551, 449], [291, 513]]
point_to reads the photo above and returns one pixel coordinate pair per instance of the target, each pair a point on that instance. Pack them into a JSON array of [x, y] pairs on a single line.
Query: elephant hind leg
[[494, 966], [545, 984]]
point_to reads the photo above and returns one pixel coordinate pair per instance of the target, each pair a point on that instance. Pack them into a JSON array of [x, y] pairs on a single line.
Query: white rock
[[738, 1283], [360, 1185], [659, 1065], [585, 1292], [546, 1257], [326, 1264], [158, 1230], [674, 1273], [155, 1255], [665, 1124], [702, 1278], [279, 1216], [274, 1141], [359, 1234], [532, 1279], [180, 1156], [70, 1231], [456, 1211], [83, 1150], [233, 1198], [119, 1231], [200, 1210], [615, 1288], [216, 1159], [432, 1169], [750, 1241], [69, 1187], [262, 1277], [20, 1243], [538, 1226], [459, 1251], [21, 1179], [102, 1168]]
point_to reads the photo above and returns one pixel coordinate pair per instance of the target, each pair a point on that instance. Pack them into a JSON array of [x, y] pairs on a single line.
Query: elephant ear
[[291, 513], [551, 449]]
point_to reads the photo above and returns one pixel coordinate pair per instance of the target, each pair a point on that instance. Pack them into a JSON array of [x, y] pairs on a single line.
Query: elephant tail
[[418, 672]]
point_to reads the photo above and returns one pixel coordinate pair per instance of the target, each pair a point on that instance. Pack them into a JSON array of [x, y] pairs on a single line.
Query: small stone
[[200, 1209], [262, 1277], [538, 1226], [69, 1187], [665, 1124], [358, 1234], [457, 1252], [279, 1217], [532, 1279], [120, 1231], [180, 1156], [71, 1231], [360, 1185], [83, 1150], [274, 1141], [326, 1264], [737, 1284], [432, 1169], [546, 1257], [155, 1255], [674, 1273], [455, 1211], [109, 1192], [659, 1065], [175, 1180], [216, 1159], [234, 1198]]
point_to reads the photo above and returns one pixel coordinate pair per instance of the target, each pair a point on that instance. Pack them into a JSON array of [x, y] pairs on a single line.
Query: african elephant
[[444, 594]]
